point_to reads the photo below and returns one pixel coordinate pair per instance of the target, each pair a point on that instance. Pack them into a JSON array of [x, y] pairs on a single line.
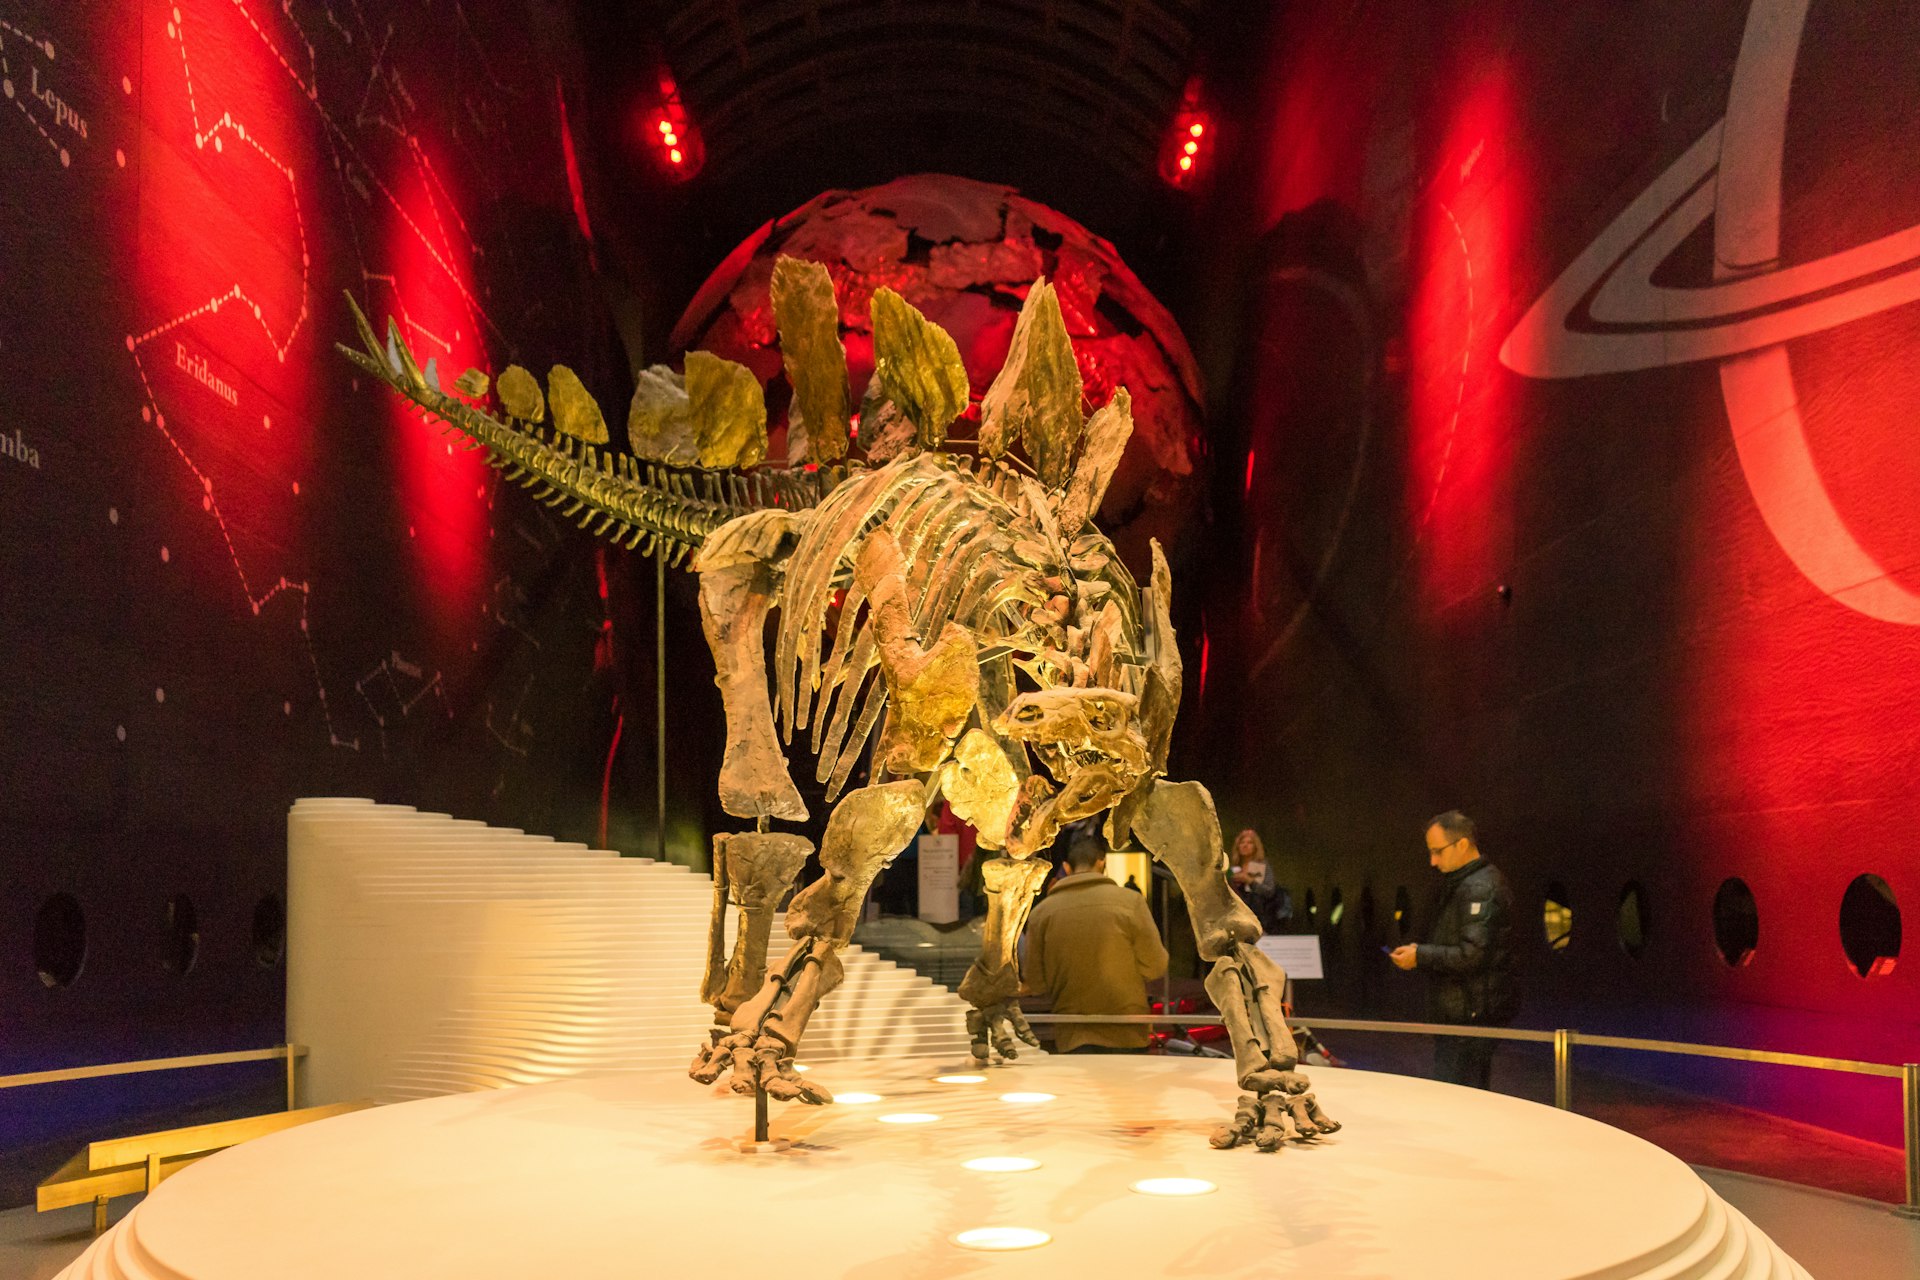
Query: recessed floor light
[[1026, 1097], [1001, 1239], [928, 945], [855, 1099], [1174, 1186], [1001, 1164], [801, 1067], [959, 1079], [909, 1117]]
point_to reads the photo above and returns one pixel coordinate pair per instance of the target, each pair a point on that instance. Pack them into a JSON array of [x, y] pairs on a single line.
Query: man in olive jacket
[[1091, 945], [1468, 955]]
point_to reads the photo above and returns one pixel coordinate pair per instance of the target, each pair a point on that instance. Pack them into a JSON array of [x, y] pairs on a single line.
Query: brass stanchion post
[[1563, 1069], [292, 1079], [1910, 1113]]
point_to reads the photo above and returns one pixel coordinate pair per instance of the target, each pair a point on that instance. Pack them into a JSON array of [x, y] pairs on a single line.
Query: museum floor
[[586, 1177]]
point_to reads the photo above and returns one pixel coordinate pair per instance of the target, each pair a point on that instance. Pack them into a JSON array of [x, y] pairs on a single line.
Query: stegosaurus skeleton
[[975, 618]]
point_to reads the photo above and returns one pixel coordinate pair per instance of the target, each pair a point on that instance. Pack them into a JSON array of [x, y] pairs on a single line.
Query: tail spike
[[406, 366], [368, 339]]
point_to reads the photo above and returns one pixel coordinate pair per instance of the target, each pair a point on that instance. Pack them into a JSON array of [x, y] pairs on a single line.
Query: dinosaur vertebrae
[[655, 508]]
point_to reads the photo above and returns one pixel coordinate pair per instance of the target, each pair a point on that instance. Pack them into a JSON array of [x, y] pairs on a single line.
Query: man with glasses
[[1468, 955]]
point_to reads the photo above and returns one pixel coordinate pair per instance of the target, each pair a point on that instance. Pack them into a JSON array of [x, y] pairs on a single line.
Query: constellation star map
[[187, 188], [24, 60]]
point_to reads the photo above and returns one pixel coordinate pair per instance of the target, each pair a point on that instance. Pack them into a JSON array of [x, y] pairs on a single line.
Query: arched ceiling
[[1097, 77], [1068, 101]]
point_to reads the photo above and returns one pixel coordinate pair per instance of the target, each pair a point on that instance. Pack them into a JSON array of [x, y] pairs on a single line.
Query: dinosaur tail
[[658, 509]]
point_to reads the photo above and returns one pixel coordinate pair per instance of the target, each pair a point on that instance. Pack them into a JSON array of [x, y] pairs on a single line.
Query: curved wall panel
[[1573, 486]]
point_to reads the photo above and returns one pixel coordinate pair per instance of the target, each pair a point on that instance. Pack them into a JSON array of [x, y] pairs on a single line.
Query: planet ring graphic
[[1605, 315]]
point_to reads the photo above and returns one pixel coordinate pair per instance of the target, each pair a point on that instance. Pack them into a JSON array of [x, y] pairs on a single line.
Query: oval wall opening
[[1870, 926]]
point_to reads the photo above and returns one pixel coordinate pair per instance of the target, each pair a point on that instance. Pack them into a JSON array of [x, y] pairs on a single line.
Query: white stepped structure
[[429, 955]]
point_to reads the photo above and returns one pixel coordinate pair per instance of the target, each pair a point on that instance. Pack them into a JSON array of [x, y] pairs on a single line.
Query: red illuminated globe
[[965, 253]]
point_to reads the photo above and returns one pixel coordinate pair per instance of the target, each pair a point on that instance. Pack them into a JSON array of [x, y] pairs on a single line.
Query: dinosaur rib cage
[[958, 538]]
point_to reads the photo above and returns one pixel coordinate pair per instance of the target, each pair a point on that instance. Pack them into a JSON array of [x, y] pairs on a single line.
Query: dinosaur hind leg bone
[[735, 597], [993, 982], [753, 870], [1178, 826], [867, 829]]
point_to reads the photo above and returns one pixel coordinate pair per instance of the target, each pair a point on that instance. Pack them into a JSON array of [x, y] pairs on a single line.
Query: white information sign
[[940, 879], [1297, 953]]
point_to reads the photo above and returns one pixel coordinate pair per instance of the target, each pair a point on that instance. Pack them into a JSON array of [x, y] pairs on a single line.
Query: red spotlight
[[574, 187], [1182, 158], [675, 143]]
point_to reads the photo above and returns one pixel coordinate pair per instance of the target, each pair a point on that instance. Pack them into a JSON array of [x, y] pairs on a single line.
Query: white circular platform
[[638, 1175]]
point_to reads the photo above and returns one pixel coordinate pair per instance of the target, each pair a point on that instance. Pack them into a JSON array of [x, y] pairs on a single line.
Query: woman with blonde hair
[[1252, 878]]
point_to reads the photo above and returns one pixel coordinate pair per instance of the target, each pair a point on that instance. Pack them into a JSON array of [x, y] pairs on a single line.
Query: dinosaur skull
[[1086, 739], [1086, 726]]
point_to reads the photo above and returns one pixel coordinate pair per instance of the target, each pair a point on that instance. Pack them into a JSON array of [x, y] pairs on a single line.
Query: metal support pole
[[1563, 1069], [292, 1078], [660, 697], [760, 1115], [1910, 1113], [1166, 942]]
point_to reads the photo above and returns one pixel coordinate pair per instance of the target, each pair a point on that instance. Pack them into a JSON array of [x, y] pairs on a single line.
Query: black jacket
[[1468, 958]]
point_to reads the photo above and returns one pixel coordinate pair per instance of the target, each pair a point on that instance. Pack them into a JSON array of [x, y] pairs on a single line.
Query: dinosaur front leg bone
[[1178, 826], [734, 600], [868, 828], [993, 982]]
